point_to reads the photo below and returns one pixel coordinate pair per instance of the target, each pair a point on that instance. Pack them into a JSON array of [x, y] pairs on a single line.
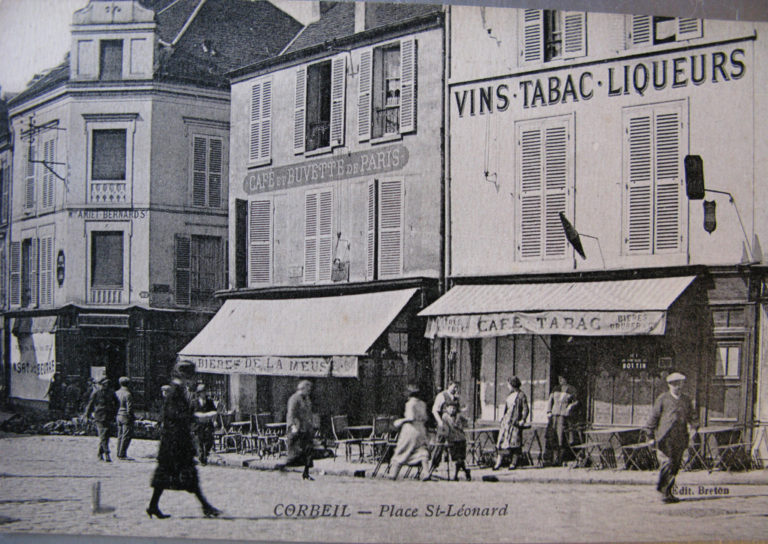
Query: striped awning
[[589, 308]]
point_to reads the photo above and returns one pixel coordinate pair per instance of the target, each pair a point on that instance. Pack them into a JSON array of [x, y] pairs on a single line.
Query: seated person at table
[[452, 432]]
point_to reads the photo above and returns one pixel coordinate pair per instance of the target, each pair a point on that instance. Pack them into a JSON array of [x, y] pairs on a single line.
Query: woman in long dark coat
[[176, 454], [300, 429]]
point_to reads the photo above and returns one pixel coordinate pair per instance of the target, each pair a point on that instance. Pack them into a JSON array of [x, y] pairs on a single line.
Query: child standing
[[452, 432]]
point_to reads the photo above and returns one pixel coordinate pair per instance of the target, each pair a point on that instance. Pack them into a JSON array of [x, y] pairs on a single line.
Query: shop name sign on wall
[[635, 78], [573, 323], [360, 163], [311, 367], [108, 215]]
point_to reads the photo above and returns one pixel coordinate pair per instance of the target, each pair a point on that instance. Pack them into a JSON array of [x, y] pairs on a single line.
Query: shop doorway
[[109, 353], [572, 362]]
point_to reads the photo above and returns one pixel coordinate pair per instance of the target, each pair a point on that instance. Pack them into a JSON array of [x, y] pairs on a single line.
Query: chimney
[[359, 16], [305, 12]]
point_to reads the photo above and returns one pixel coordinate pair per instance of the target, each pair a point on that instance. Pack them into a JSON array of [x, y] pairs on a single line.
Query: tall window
[[319, 105], [207, 159], [544, 187], [653, 148], [318, 235], [108, 155], [29, 179], [260, 148], [29, 272], [385, 229], [260, 232], [552, 34], [5, 187], [653, 30], [111, 60], [387, 92], [199, 269], [107, 259], [49, 180]]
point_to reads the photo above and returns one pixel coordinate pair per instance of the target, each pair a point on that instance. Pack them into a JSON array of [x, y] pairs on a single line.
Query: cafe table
[[603, 445], [481, 441], [360, 431], [716, 446]]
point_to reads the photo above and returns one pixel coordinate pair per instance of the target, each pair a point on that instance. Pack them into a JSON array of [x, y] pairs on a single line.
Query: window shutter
[[49, 156], [668, 180], [260, 241], [299, 113], [638, 31], [325, 236], [254, 152], [15, 266], [639, 188], [338, 94], [5, 204], [556, 189], [364, 96], [183, 269], [370, 258], [531, 188], [533, 36], [29, 180], [688, 28], [265, 148], [390, 228], [310, 237], [214, 172], [46, 271], [33, 272], [574, 34], [408, 67], [199, 171]]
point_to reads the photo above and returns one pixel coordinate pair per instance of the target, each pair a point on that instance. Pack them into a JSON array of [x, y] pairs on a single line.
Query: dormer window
[[111, 60]]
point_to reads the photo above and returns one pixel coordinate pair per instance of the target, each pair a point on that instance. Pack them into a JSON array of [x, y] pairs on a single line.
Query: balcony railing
[[105, 296], [108, 193], [386, 121]]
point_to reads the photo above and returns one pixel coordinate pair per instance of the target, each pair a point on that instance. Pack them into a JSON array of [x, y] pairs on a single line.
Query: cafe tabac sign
[[333, 168]]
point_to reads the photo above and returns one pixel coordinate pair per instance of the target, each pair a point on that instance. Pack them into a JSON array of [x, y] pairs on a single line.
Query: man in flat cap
[[102, 405], [125, 417], [672, 417]]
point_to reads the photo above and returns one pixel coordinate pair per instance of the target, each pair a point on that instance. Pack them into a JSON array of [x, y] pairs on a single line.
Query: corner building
[[592, 115]]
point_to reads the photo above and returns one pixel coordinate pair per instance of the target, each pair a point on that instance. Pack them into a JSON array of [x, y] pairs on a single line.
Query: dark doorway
[[109, 353]]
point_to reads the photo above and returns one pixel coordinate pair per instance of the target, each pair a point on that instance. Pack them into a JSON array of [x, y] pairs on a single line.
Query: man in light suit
[[672, 417], [125, 418]]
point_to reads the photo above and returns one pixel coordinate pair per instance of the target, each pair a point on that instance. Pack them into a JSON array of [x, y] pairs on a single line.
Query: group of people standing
[[107, 407]]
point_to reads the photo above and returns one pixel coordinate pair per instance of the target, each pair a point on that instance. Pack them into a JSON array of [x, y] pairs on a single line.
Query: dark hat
[[104, 381], [676, 377], [184, 369], [514, 381], [124, 380]]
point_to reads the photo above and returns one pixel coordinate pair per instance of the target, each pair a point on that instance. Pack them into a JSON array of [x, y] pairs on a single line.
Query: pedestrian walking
[[411, 448], [442, 398], [72, 395], [513, 420], [125, 417], [205, 412], [176, 453], [451, 432], [300, 429], [560, 408], [102, 406], [668, 425]]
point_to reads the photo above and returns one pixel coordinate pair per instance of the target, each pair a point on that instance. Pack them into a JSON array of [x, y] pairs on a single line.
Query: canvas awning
[[321, 336], [589, 308]]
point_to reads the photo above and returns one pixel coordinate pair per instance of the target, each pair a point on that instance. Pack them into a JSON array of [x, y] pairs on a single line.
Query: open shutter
[[46, 271], [556, 188], [574, 34], [260, 241], [34, 267], [390, 228], [29, 180], [300, 111], [408, 72], [533, 36], [531, 187], [254, 149], [4, 203], [370, 257], [15, 266], [364, 96], [214, 172], [338, 98], [325, 235], [639, 183], [688, 28], [49, 156], [668, 177], [183, 267], [310, 237], [199, 170], [265, 147], [638, 31]]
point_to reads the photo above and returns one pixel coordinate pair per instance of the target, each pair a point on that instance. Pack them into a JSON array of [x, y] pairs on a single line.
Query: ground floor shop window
[[218, 388]]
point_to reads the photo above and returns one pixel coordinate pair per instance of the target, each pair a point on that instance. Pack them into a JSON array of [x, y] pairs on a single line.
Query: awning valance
[[34, 325], [321, 336], [589, 308]]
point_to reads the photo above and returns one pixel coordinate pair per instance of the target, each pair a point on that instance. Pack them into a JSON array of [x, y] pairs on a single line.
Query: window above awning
[[318, 336], [589, 308]]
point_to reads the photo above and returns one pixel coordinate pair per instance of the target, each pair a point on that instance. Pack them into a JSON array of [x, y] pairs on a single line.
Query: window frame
[[324, 241], [102, 76], [260, 122], [122, 291], [640, 30], [268, 242], [191, 297], [208, 139], [533, 36], [337, 106], [97, 122]]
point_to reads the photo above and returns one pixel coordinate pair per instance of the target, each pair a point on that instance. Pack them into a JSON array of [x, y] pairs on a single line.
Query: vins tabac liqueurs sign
[[352, 165]]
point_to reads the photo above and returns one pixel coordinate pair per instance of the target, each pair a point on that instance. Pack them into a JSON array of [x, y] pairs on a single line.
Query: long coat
[[176, 454], [411, 446], [668, 423], [300, 430], [515, 413]]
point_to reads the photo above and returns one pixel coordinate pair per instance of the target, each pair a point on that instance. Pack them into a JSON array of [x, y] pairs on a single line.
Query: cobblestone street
[[45, 486]]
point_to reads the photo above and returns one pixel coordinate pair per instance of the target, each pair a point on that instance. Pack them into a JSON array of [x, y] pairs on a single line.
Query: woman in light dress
[[411, 446]]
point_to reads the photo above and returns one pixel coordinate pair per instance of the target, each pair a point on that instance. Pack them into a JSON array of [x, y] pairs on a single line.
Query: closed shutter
[[254, 149], [318, 235], [310, 237], [530, 194], [370, 257], [214, 172], [300, 111], [5, 204], [390, 228], [29, 180], [688, 28], [408, 72], [556, 189], [639, 30], [533, 36], [49, 156], [667, 125], [15, 266], [260, 147], [338, 98], [639, 184], [33, 285], [574, 34], [46, 271], [364, 96], [259, 242], [183, 265], [199, 170]]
